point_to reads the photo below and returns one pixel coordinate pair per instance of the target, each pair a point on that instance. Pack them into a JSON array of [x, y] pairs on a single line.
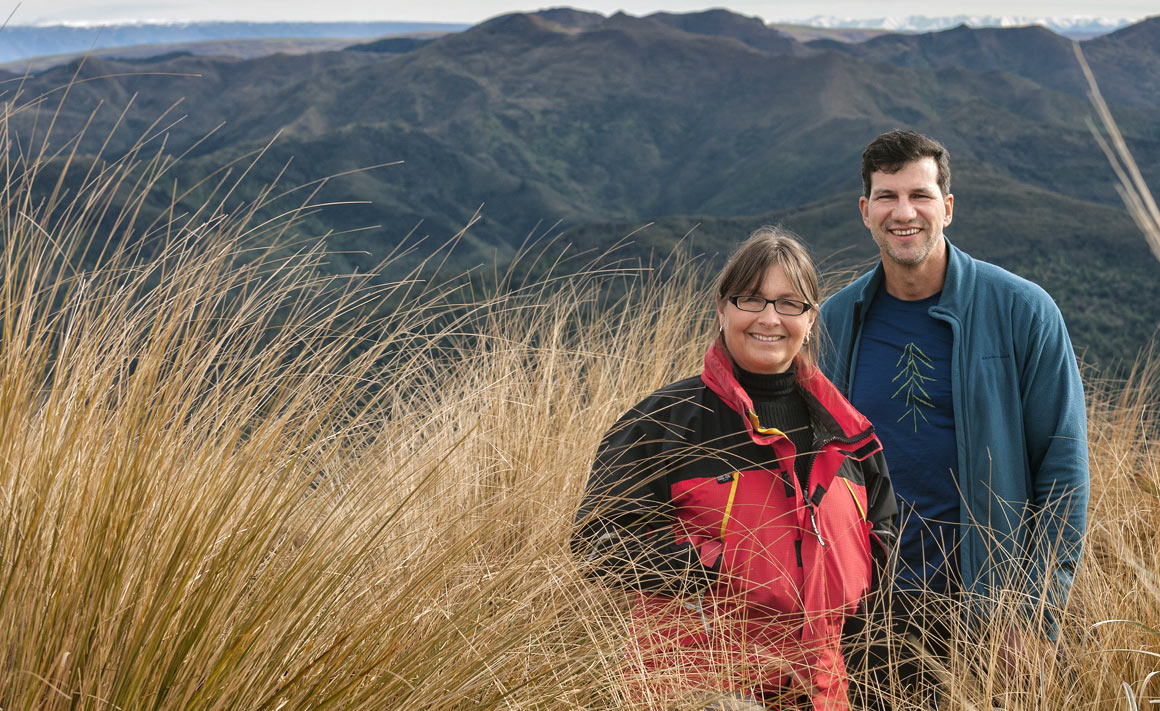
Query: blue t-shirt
[[902, 383]]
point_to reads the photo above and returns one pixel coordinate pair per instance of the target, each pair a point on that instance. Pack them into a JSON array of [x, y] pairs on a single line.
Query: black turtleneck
[[778, 403]]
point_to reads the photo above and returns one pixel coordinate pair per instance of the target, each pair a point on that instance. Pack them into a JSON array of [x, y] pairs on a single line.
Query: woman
[[746, 504]]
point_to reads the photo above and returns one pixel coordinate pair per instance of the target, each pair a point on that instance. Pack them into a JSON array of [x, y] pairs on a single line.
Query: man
[[969, 377]]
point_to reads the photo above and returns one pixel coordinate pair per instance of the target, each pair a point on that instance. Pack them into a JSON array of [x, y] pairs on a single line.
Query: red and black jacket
[[690, 494]]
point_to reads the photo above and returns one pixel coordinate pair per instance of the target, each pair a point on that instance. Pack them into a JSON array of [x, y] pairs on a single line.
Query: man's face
[[906, 212]]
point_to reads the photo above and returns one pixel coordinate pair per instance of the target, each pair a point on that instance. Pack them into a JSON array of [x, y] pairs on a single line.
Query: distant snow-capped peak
[[922, 23]]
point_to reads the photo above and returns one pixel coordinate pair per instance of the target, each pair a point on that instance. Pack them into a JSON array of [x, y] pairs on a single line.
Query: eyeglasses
[[756, 304]]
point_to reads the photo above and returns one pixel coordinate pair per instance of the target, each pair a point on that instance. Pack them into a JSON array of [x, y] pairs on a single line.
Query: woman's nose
[[769, 314]]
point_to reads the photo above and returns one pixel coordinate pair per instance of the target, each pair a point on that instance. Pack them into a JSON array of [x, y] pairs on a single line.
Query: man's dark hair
[[892, 150]]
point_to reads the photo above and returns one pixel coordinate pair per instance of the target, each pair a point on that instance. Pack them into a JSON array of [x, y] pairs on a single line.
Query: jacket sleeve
[[625, 532], [1055, 430]]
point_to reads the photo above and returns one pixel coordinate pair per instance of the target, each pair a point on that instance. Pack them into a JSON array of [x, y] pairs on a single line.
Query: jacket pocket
[[760, 566]]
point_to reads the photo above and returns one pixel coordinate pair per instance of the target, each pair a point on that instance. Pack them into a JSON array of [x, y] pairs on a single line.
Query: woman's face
[[765, 341]]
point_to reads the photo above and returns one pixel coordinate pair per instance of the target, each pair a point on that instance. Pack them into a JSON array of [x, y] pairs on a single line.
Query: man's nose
[[904, 210]]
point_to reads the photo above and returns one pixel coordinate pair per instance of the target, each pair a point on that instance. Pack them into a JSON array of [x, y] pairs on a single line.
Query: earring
[[806, 342]]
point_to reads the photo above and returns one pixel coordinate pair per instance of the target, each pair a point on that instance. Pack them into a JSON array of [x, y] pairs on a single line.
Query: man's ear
[[864, 208], [949, 206]]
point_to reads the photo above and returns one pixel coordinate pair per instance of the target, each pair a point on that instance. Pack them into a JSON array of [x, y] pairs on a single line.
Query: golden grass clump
[[231, 481], [1118, 589], [227, 485]]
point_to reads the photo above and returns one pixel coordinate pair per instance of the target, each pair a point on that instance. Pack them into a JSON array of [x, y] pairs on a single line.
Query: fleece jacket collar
[[958, 287]]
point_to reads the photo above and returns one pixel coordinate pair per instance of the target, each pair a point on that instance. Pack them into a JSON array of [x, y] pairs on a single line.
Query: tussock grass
[[226, 486]]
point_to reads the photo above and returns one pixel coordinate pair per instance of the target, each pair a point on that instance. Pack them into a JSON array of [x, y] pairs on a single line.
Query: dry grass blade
[[1132, 188]]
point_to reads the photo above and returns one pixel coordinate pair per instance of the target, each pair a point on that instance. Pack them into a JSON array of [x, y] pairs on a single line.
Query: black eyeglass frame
[[797, 308]]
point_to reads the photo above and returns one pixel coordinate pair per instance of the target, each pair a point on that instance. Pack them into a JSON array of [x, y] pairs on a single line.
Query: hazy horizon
[[461, 12]]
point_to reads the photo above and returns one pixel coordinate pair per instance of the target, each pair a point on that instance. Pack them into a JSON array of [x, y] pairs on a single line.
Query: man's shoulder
[[992, 282], [997, 276]]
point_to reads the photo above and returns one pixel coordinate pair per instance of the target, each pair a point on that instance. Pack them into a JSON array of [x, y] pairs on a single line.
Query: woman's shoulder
[[670, 398], [681, 389], [667, 414]]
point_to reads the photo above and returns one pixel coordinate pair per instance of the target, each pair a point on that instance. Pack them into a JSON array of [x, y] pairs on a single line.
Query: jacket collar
[[718, 376]]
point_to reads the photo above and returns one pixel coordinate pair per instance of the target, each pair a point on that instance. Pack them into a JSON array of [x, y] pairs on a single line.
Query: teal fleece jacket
[[1020, 422]]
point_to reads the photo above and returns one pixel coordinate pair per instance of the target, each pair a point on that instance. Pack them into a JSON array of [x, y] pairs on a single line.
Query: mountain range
[[20, 42], [26, 41], [584, 127], [1075, 27]]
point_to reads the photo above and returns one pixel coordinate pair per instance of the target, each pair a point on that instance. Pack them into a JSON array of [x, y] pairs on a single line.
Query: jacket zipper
[[805, 494], [849, 389], [814, 523], [733, 480], [698, 606]]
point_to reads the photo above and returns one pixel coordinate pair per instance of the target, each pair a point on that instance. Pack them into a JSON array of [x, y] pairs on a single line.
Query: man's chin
[[909, 255], [909, 259]]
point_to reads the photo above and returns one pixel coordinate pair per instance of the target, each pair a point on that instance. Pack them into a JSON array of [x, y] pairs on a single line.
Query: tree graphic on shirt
[[911, 363]]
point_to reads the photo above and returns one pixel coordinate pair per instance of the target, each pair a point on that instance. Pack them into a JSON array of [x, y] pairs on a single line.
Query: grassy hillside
[[572, 118]]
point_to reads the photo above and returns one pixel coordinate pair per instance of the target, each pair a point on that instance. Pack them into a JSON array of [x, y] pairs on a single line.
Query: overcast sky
[[470, 11]]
